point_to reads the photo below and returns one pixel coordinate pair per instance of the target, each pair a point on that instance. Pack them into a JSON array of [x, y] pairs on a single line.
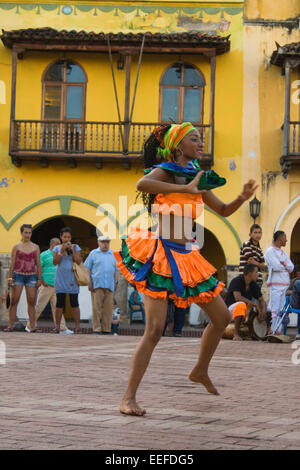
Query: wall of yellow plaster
[[271, 9], [31, 183], [264, 101]]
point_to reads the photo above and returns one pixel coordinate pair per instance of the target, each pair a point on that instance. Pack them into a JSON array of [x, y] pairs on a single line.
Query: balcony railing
[[294, 140], [291, 145], [86, 140]]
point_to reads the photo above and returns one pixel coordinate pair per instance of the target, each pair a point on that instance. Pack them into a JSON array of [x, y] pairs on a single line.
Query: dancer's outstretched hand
[[192, 187], [249, 189]]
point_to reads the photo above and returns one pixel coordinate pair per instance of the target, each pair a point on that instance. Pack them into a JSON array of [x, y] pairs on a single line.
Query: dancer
[[25, 270], [173, 267]]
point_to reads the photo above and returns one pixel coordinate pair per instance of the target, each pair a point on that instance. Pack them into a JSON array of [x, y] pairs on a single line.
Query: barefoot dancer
[[161, 267]]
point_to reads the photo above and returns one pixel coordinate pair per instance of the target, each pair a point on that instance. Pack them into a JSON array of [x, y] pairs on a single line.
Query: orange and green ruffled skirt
[[161, 269]]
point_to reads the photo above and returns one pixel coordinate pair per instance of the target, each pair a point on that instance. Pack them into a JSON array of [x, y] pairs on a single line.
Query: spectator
[[296, 278], [175, 319], [65, 282], [169, 326], [179, 318], [115, 320], [279, 266], [46, 292], [102, 268], [25, 270], [294, 290], [135, 301], [197, 316], [295, 295], [251, 252], [243, 293]]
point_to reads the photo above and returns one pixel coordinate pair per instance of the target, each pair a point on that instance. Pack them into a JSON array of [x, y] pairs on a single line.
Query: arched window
[[64, 92], [182, 94]]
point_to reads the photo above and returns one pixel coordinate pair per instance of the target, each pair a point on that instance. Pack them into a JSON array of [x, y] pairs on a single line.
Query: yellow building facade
[[271, 152], [68, 156]]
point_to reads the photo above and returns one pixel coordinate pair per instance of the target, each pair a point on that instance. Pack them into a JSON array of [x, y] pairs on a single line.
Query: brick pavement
[[63, 392]]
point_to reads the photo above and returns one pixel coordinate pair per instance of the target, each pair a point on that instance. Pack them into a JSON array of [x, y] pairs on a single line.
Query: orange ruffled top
[[180, 204], [160, 268]]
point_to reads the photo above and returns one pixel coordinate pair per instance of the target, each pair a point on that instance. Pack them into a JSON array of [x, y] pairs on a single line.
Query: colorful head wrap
[[172, 138]]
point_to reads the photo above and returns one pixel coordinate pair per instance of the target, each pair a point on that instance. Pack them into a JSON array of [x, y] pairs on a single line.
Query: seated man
[[243, 293], [135, 300], [295, 295], [136, 304], [294, 290]]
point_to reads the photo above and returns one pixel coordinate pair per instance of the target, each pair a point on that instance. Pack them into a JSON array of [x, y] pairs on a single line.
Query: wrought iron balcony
[[291, 146], [87, 141]]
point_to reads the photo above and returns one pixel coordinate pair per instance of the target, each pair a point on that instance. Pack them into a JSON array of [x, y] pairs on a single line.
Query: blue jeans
[[179, 317], [27, 280], [115, 327]]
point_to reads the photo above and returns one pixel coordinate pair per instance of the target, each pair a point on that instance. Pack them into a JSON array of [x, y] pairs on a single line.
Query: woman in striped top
[[252, 253]]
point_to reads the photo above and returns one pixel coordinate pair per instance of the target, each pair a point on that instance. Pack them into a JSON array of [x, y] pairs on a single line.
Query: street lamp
[[254, 206], [120, 62]]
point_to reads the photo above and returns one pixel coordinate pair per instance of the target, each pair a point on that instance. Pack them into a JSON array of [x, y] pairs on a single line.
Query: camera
[[69, 248]]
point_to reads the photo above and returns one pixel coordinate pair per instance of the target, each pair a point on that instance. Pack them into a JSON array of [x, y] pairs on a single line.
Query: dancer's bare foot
[[203, 379], [237, 338], [130, 407]]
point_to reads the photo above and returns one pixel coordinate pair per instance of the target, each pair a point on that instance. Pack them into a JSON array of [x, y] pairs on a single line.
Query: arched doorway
[[295, 243], [213, 252], [84, 233]]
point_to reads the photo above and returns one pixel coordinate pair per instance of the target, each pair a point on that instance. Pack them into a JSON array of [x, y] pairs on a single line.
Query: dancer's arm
[[225, 210], [160, 181]]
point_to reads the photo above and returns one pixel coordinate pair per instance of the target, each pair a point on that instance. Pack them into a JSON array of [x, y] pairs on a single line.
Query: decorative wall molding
[[75, 9], [65, 204]]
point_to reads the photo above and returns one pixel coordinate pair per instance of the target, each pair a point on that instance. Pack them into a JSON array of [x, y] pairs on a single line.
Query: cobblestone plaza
[[64, 392]]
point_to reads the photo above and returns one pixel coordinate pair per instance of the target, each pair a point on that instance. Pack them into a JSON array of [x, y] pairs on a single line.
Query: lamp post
[[120, 62], [254, 206]]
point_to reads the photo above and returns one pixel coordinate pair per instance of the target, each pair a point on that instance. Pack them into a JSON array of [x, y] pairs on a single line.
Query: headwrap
[[172, 138]]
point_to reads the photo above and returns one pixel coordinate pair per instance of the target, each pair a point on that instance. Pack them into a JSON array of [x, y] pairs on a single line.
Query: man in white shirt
[[280, 266]]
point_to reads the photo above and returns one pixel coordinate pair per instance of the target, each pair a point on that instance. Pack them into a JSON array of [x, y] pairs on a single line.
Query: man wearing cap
[[102, 268]]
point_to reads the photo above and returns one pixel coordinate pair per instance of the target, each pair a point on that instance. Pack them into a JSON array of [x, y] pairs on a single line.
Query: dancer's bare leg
[[156, 312], [219, 318]]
